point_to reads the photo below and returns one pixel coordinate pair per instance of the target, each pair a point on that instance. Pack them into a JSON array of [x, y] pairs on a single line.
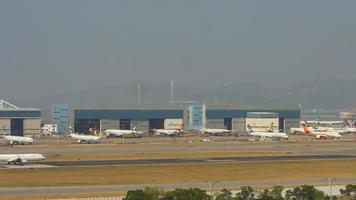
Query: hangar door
[[125, 124], [156, 124], [85, 125], [17, 127], [228, 123], [281, 124]]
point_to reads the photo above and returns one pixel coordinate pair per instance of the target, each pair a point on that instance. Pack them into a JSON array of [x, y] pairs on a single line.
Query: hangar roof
[[253, 107], [130, 107], [6, 106], [184, 106], [8, 110]]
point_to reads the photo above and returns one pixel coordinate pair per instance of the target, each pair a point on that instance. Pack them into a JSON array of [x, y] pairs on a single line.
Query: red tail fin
[[271, 127], [181, 127], [306, 130]]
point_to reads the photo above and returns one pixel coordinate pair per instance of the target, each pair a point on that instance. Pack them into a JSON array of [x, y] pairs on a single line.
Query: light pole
[[211, 187], [331, 181]]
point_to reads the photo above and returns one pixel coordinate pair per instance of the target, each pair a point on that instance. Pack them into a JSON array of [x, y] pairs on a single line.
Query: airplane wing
[[13, 159]]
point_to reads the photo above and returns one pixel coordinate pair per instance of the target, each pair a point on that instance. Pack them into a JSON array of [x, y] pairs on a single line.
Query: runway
[[93, 163]]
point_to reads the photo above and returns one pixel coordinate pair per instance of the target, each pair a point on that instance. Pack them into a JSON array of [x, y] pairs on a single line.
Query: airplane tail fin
[[70, 129], [181, 127], [306, 130], [353, 124], [249, 129], [317, 125], [133, 127], [270, 129]]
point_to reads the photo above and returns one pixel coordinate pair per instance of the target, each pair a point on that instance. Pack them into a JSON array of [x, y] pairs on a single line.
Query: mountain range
[[314, 94]]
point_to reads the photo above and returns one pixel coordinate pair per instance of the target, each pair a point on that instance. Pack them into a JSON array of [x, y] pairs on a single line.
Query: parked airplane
[[311, 128], [214, 131], [84, 138], [120, 133], [268, 134], [13, 140], [326, 123], [170, 132], [320, 134], [320, 127], [20, 159]]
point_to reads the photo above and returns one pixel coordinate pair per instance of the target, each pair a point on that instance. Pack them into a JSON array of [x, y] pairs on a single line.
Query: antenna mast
[[138, 94], [172, 93]]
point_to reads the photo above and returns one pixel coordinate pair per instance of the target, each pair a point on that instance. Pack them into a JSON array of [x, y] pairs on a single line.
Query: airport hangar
[[85, 118], [19, 121]]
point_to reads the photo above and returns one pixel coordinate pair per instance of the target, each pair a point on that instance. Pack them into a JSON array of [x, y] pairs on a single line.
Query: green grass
[[177, 173]]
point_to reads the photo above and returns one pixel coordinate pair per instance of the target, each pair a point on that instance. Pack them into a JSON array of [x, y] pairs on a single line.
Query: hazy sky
[[53, 46]]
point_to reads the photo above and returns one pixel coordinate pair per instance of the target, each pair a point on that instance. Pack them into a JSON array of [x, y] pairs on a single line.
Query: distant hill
[[325, 94]]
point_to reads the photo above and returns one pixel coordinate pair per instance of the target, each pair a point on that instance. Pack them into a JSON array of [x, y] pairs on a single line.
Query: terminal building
[[19, 121], [86, 118]]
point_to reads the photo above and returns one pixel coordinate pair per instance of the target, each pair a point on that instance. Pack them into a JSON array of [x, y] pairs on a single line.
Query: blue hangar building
[[86, 118], [19, 121]]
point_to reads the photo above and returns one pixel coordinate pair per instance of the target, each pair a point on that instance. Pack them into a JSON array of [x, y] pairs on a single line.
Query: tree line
[[304, 192]]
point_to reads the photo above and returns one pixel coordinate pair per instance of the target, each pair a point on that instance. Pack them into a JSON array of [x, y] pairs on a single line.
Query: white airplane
[[85, 138], [316, 127], [268, 134], [170, 132], [321, 134], [328, 126], [120, 133], [214, 131], [326, 123], [20, 159], [13, 140]]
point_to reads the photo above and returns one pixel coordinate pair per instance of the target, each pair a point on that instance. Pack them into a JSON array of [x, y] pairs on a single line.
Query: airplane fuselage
[[19, 159], [270, 135], [119, 133], [167, 132], [85, 138], [214, 131], [321, 134], [324, 134], [18, 139]]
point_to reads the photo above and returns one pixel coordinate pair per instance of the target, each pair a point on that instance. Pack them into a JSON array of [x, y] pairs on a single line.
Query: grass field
[[67, 196], [159, 155], [182, 173]]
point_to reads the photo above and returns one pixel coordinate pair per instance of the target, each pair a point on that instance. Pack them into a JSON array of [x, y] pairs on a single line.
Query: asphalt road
[[195, 160]]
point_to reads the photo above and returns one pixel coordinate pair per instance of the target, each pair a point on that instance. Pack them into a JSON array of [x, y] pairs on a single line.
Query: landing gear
[[14, 143], [18, 161]]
